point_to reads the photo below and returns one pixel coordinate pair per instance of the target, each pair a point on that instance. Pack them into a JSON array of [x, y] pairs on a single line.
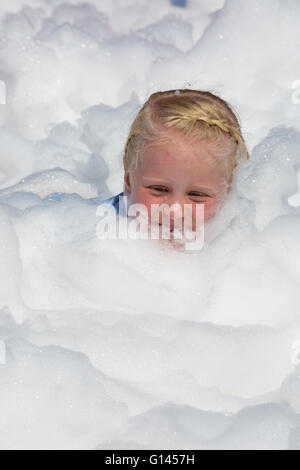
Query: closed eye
[[163, 189], [158, 188], [198, 194]]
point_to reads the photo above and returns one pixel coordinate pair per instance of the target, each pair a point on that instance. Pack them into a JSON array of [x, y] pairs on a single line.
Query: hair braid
[[185, 110]]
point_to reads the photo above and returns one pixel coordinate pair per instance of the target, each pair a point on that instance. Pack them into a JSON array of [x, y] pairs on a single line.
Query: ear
[[126, 177]]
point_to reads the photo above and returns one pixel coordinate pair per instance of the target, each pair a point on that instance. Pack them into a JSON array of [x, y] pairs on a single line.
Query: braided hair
[[195, 113]]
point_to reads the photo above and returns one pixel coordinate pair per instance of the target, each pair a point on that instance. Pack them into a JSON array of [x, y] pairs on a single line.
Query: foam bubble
[[136, 344]]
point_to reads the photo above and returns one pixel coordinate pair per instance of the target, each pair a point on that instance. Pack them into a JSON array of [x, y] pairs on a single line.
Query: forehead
[[181, 157]]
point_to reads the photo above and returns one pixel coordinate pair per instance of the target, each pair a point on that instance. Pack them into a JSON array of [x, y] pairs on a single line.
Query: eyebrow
[[200, 187]]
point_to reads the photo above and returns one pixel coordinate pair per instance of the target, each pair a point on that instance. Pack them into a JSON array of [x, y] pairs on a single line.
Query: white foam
[[129, 343]]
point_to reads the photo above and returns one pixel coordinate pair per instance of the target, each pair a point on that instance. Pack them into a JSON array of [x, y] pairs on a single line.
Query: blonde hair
[[197, 114]]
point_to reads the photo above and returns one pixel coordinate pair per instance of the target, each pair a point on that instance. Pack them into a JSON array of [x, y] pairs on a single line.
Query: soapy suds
[[127, 344]]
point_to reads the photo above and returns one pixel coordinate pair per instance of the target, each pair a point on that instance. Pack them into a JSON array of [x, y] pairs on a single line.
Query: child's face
[[178, 171]]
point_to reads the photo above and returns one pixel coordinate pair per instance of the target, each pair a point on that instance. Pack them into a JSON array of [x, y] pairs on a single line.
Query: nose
[[174, 210]]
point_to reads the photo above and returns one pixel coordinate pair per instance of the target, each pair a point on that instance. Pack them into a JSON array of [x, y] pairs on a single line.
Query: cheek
[[142, 196], [210, 208]]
